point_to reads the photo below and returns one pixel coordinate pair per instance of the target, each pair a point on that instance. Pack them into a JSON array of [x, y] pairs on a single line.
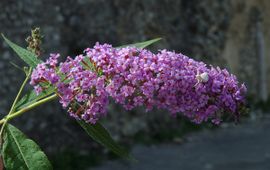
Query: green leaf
[[87, 64], [102, 136], [142, 44], [16, 66], [32, 97], [27, 56], [21, 153]]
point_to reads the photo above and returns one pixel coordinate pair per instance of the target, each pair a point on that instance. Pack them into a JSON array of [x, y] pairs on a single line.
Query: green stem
[[2, 129], [15, 101], [20, 91], [15, 114]]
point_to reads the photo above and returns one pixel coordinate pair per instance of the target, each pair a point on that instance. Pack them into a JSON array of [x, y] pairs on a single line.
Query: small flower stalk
[[136, 77]]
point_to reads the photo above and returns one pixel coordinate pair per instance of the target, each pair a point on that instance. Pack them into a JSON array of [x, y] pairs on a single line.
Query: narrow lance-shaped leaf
[[16, 66], [32, 97], [26, 55], [102, 136], [142, 44], [21, 153]]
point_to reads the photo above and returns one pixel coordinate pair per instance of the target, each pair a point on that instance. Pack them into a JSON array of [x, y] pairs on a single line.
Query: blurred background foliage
[[233, 34]]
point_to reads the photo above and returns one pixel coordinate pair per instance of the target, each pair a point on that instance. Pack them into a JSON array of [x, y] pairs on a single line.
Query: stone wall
[[241, 48]]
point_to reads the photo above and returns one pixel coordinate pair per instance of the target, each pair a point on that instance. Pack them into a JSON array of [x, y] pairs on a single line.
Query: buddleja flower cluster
[[136, 77]]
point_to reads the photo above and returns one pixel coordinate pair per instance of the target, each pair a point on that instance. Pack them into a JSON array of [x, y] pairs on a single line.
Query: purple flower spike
[[137, 77]]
